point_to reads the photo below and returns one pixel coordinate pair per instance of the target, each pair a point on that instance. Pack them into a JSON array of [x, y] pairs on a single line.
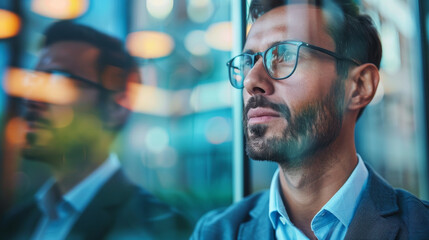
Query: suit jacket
[[120, 210], [383, 213]]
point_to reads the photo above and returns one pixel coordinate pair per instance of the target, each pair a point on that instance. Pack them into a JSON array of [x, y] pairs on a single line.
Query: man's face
[[291, 119], [56, 127]]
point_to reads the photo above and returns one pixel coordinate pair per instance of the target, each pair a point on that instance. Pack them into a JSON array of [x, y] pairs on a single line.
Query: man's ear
[[364, 81], [115, 114]]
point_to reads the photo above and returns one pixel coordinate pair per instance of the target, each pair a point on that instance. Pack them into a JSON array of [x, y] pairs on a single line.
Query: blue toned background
[[178, 142]]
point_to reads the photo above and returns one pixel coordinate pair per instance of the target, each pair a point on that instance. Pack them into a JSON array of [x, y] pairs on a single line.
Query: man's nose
[[33, 104], [258, 81]]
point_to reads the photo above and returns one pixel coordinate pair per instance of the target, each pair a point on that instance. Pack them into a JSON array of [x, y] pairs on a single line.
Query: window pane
[[177, 141]]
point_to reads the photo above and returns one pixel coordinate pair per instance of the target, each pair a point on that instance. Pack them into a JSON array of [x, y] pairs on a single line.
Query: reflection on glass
[[9, 24], [64, 9], [40, 86], [149, 44], [177, 141]]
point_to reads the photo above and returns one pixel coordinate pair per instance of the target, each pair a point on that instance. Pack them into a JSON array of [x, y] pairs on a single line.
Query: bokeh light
[[195, 43], [60, 9], [219, 36], [217, 130], [159, 8], [62, 116], [15, 131], [147, 99], [211, 96], [40, 86], [10, 24], [200, 10], [149, 44], [156, 139]]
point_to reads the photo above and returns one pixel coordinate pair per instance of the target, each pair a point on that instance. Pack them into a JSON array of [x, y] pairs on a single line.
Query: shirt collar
[[47, 197], [342, 205], [276, 206], [345, 201], [80, 195]]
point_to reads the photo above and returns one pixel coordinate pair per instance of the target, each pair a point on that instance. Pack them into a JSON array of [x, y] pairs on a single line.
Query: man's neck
[[307, 189], [77, 167]]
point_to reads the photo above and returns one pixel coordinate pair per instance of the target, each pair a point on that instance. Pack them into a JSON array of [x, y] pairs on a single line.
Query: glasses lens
[[238, 69], [280, 60]]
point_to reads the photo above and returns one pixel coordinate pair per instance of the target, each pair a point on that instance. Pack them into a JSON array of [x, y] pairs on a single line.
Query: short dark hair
[[112, 52], [354, 34]]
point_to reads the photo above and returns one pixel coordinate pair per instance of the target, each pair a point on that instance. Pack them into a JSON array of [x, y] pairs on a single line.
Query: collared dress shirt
[[61, 211], [333, 220]]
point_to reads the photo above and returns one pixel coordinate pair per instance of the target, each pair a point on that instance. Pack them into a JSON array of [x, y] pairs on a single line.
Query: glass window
[[177, 141], [391, 134]]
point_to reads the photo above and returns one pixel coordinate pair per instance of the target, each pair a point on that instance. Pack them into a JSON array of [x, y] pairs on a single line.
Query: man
[[308, 70], [83, 75]]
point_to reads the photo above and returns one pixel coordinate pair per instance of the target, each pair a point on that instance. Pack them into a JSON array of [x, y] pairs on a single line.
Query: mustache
[[261, 101], [36, 118]]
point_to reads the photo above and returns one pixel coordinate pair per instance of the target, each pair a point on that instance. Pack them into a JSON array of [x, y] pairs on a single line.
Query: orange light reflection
[[15, 131], [39, 86], [219, 36], [60, 9], [10, 24], [149, 44]]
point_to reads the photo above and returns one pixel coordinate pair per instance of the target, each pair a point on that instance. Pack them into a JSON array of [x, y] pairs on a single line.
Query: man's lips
[[36, 121], [34, 125], [261, 115]]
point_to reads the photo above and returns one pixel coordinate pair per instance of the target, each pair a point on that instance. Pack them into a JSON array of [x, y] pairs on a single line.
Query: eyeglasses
[[280, 61], [76, 78]]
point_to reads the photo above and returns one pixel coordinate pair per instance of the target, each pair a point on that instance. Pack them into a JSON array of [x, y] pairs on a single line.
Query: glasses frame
[[78, 78], [299, 44]]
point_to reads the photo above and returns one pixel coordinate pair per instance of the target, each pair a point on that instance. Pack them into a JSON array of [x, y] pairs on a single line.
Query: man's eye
[[287, 57], [247, 62]]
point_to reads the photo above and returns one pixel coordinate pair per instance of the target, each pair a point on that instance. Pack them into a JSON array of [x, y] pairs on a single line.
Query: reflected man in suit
[[86, 73], [308, 69]]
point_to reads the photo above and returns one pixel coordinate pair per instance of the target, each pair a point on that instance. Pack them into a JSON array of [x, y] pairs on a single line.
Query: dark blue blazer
[[383, 213], [120, 210]]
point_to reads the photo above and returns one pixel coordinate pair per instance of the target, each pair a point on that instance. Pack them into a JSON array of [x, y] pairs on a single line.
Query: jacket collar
[[101, 211], [374, 217], [259, 226]]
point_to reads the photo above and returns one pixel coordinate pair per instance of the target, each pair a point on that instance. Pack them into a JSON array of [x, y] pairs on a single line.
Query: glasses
[[280, 61], [87, 82]]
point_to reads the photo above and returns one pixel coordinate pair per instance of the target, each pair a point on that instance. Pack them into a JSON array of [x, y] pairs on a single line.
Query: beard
[[309, 130], [52, 145]]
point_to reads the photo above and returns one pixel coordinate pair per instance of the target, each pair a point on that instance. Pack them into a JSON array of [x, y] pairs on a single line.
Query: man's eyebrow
[[249, 51]]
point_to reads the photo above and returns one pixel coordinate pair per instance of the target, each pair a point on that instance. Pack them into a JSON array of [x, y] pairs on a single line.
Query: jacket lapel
[[259, 226], [98, 217], [22, 223], [375, 216]]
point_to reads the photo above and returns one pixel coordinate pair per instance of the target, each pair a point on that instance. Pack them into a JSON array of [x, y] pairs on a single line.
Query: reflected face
[[288, 120], [56, 127]]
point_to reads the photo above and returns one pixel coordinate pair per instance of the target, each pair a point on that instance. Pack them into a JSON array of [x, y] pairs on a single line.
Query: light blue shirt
[[61, 211], [333, 220]]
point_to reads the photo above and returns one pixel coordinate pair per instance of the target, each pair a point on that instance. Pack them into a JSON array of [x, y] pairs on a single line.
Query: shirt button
[[283, 220]]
